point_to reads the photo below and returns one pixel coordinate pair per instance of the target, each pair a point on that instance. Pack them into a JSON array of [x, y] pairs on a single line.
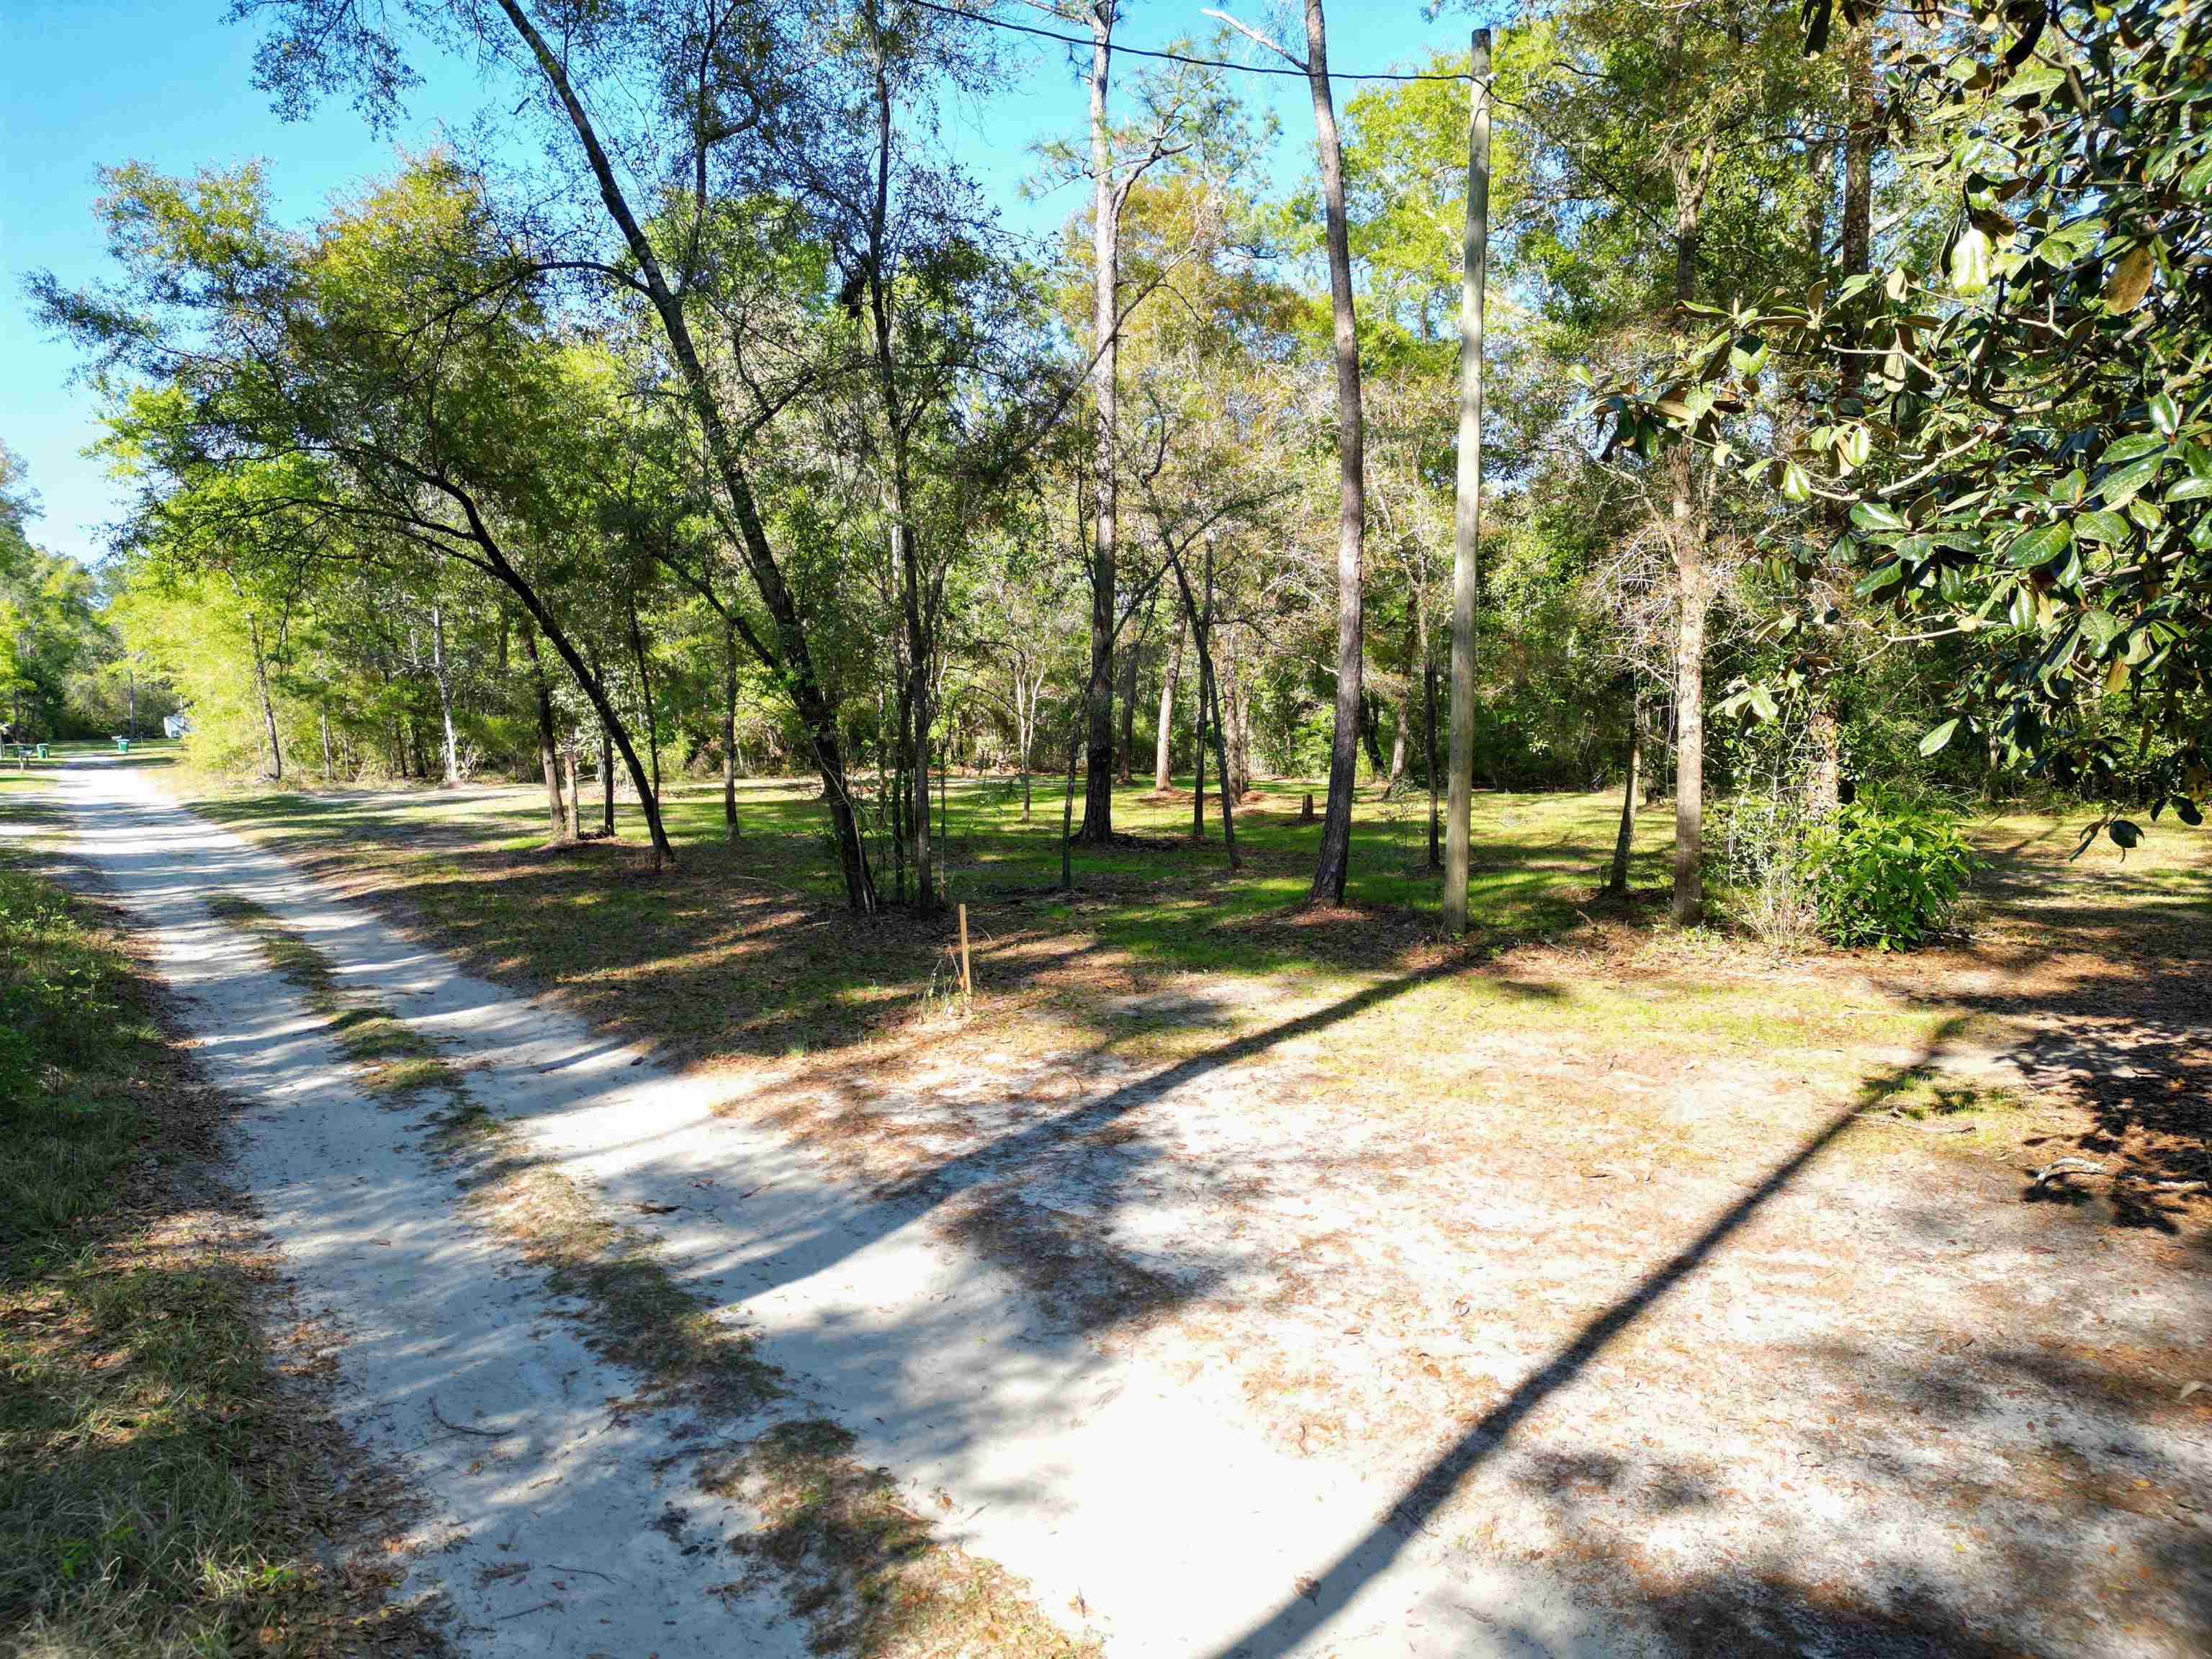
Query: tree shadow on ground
[[1764, 1606], [2106, 1006]]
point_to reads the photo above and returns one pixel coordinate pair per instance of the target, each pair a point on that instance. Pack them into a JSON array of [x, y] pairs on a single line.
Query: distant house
[[175, 725]]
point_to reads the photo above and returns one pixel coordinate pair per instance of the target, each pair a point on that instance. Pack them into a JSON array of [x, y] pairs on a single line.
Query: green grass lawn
[[1537, 858], [747, 945]]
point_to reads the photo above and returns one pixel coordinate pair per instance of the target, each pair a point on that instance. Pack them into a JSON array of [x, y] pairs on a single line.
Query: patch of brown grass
[[867, 1573]]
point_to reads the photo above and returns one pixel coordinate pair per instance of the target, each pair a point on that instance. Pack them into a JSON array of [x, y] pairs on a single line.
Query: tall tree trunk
[[441, 671], [1400, 717], [576, 826], [1068, 815], [1429, 726], [1209, 684], [549, 743], [1686, 533], [1334, 863], [1616, 881], [1125, 747], [1163, 773], [644, 693], [1689, 895], [900, 799], [1025, 712], [1854, 256], [897, 484], [273, 746], [1199, 716], [1467, 500], [1371, 732], [323, 721], [925, 854], [1105, 374], [730, 730], [606, 779], [606, 757], [1229, 711], [1855, 251]]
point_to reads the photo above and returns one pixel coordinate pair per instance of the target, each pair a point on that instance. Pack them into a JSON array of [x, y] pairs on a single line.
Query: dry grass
[[864, 1570]]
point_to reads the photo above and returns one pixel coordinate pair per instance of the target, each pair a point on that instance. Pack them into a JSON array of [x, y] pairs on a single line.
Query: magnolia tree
[[2015, 431]]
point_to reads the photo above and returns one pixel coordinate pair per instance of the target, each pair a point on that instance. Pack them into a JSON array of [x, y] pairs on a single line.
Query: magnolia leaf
[[1970, 264], [2120, 486], [2124, 832], [2131, 279], [1882, 577], [2134, 447], [2101, 628], [1936, 740], [2101, 525], [2116, 676], [2042, 546]]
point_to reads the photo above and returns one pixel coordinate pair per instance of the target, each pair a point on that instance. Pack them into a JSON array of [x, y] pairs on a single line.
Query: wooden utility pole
[[1467, 515]]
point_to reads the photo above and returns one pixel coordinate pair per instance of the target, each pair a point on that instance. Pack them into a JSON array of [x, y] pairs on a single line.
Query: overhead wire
[[1625, 198], [1162, 55]]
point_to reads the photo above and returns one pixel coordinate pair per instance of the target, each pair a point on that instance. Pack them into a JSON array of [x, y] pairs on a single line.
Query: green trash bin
[[42, 751], [122, 746]]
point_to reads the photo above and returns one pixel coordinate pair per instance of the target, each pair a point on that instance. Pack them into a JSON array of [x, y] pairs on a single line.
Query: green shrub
[[1887, 873]]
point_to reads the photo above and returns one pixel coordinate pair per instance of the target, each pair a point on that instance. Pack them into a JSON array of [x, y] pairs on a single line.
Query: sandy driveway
[[1744, 1419]]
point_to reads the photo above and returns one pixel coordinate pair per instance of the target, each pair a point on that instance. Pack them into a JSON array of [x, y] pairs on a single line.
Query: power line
[[1176, 56], [1624, 197]]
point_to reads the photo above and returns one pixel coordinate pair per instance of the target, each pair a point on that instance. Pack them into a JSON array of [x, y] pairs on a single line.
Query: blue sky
[[88, 83]]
